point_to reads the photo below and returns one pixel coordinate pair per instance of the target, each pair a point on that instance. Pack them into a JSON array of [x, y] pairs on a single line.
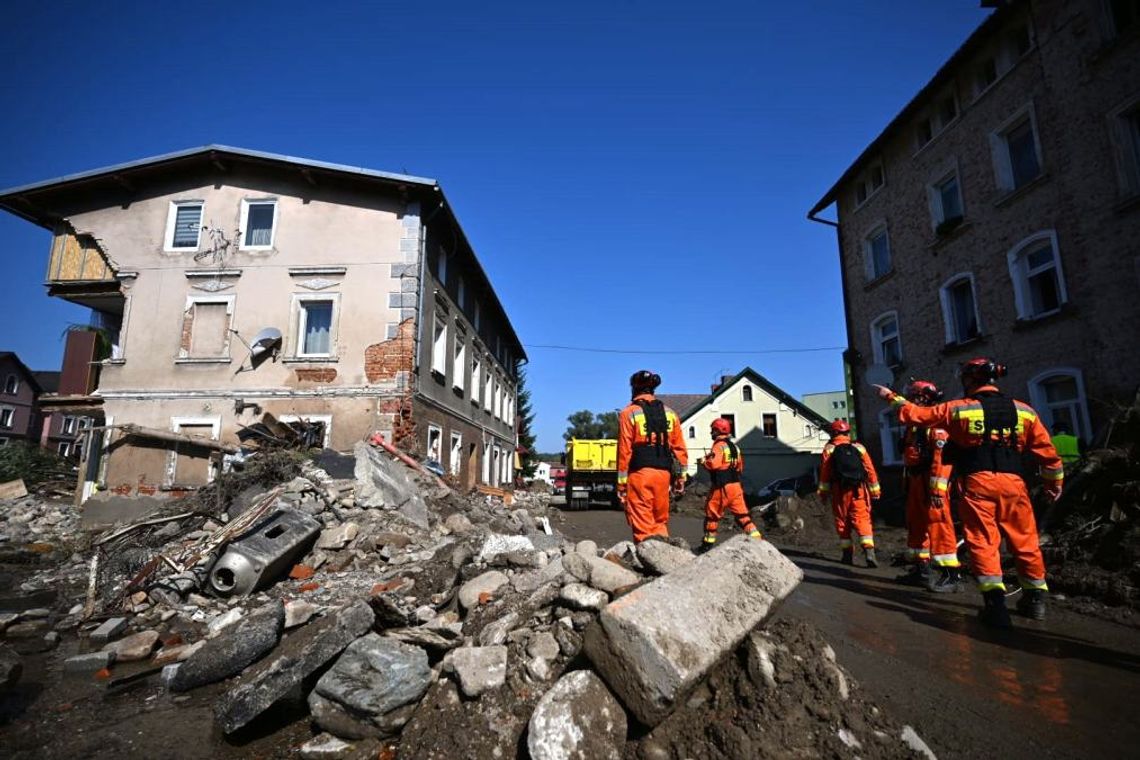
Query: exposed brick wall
[[316, 374], [1074, 80], [187, 331], [392, 362]]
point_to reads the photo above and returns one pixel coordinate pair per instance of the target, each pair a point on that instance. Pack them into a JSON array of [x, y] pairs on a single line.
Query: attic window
[[11, 385], [746, 393], [868, 183]]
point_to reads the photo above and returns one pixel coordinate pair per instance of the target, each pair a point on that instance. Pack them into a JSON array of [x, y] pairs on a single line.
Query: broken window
[[206, 328], [258, 221], [434, 443], [69, 425], [768, 421], [11, 385], [456, 460], [459, 368], [439, 348], [184, 225], [7, 415]]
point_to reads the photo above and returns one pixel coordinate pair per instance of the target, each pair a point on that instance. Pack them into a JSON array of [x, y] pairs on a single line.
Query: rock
[[329, 747], [299, 656], [383, 483], [298, 612], [27, 629], [338, 720], [538, 669], [234, 649], [497, 545], [587, 548], [578, 719], [108, 630], [177, 653], [7, 619], [133, 648], [479, 669], [911, 739], [338, 537], [661, 558], [223, 621], [582, 597], [374, 676], [434, 639], [88, 663], [568, 640], [849, 739], [577, 565], [11, 667], [543, 646], [458, 523], [496, 632], [761, 662], [661, 640], [610, 576], [487, 583]]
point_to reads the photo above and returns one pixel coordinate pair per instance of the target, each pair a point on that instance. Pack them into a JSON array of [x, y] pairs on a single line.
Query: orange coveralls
[[928, 521], [851, 505], [994, 504], [647, 489], [729, 495]]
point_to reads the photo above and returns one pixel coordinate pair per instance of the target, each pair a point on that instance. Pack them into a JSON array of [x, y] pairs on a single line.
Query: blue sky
[[633, 174]]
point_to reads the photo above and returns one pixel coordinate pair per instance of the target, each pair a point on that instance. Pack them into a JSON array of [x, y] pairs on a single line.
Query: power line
[[584, 349]]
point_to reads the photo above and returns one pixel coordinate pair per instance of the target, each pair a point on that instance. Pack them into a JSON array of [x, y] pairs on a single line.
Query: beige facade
[[207, 249], [778, 436], [998, 215]]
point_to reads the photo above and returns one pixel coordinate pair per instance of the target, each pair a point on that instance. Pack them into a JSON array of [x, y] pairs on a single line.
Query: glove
[[679, 486], [885, 393], [937, 502], [1053, 491]]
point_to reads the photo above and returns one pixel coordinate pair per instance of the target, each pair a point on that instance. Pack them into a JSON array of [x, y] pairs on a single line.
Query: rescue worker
[[651, 456], [848, 477], [988, 433], [1068, 446], [930, 526], [725, 463]]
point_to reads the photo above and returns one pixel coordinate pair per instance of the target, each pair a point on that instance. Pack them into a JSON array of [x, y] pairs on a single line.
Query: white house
[[542, 472], [778, 435]]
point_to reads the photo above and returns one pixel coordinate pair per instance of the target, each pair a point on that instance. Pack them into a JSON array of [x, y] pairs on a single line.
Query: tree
[[585, 424], [525, 413]]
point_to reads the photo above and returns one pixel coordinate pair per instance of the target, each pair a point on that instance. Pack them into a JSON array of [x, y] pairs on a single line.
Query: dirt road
[[1065, 688]]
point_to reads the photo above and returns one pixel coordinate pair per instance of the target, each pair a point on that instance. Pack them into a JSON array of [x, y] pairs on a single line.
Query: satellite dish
[[879, 374], [266, 340]]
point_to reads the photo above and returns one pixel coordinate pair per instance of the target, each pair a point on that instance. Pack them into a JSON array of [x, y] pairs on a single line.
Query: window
[[488, 391], [746, 393], [189, 464], [946, 203], [477, 319], [1125, 128], [315, 327], [317, 426], [434, 451], [258, 223], [890, 436], [497, 401], [960, 309], [885, 341], [441, 265], [461, 294], [69, 425], [486, 474], [1125, 15], [941, 115], [768, 423], [1038, 283], [476, 372], [7, 416], [184, 226], [869, 182], [11, 385], [1058, 395], [986, 74], [731, 422], [692, 431], [439, 348], [455, 460], [459, 368], [877, 253], [1017, 154], [64, 448], [206, 328]]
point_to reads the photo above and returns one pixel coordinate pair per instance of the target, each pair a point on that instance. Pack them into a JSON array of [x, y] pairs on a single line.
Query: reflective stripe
[[824, 488], [845, 543], [923, 554], [755, 534], [946, 560], [939, 484], [990, 582], [875, 490], [1053, 473], [898, 401], [1035, 584], [710, 539], [867, 542], [623, 476]]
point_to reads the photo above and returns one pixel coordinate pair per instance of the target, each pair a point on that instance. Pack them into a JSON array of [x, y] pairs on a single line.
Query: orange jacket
[[939, 472], [962, 420], [631, 430], [720, 457], [825, 466]]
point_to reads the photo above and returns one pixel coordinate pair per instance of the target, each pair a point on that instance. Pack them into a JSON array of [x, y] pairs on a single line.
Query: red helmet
[[721, 426], [839, 427], [981, 371], [923, 392], [644, 381]]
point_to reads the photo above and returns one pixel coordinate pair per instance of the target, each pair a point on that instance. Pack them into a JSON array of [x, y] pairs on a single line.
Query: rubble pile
[[412, 619], [31, 519]]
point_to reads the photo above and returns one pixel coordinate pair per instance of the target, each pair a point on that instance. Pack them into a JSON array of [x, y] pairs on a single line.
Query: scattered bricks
[[301, 572], [479, 669], [108, 630], [316, 374], [88, 663], [656, 643], [394, 585], [103, 674], [306, 587], [577, 718], [134, 647]]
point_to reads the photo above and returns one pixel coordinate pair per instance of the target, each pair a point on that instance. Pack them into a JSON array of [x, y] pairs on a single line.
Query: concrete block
[[653, 645], [578, 719], [108, 630], [88, 663]]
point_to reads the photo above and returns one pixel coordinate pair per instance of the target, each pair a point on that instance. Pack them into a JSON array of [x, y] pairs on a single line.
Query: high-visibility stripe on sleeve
[[898, 401], [623, 477], [939, 485], [1053, 473], [946, 560], [1034, 583], [875, 489]]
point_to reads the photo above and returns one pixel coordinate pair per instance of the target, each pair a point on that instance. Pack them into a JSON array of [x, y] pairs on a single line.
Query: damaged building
[[229, 287]]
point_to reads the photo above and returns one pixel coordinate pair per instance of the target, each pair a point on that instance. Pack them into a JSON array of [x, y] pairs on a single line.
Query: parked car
[[781, 487]]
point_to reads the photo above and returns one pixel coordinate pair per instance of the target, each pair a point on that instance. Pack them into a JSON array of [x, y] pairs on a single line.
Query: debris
[[479, 669], [578, 719], [338, 537], [582, 597], [176, 653], [234, 649], [329, 747], [911, 739], [89, 663], [471, 593], [13, 489], [661, 558], [259, 558], [661, 640], [225, 620], [108, 630], [11, 667], [298, 612], [381, 485], [135, 647]]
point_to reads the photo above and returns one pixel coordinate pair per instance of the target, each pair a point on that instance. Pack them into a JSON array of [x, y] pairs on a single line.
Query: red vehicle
[[558, 477]]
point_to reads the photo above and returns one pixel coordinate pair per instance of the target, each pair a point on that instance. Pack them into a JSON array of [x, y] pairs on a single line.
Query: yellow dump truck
[[591, 473]]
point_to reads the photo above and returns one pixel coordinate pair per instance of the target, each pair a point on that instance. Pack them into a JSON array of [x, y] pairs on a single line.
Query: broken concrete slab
[[497, 544], [236, 648], [657, 642], [661, 558], [610, 576], [300, 655], [579, 596], [108, 630], [577, 565], [338, 537], [89, 663], [133, 648], [472, 592], [384, 484], [105, 509], [479, 669], [578, 719]]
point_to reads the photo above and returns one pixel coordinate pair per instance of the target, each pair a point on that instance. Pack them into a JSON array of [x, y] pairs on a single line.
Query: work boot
[[869, 555], [706, 546], [947, 581], [918, 575], [994, 613], [1032, 603], [848, 557]]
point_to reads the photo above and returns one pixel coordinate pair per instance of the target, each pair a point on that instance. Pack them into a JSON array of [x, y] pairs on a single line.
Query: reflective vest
[[731, 474], [1068, 448]]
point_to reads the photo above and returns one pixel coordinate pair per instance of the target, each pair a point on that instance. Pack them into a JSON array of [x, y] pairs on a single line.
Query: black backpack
[[847, 465]]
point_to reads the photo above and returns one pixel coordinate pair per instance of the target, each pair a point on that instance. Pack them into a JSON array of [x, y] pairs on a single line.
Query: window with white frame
[[946, 202], [485, 475], [768, 425], [1038, 282], [1058, 395], [459, 367], [960, 309], [441, 265], [434, 444], [258, 223], [886, 344], [890, 436], [189, 464], [488, 391], [455, 458], [868, 183], [1017, 151], [69, 425], [7, 416], [476, 372], [497, 401], [64, 448], [184, 226], [206, 324], [439, 347], [1124, 125], [508, 465], [877, 253], [316, 326], [11, 385], [746, 393]]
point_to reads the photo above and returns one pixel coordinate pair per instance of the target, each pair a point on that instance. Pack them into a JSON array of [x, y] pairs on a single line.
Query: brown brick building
[[998, 214]]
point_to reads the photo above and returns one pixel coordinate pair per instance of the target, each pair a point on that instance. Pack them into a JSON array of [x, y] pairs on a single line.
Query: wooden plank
[[13, 489]]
